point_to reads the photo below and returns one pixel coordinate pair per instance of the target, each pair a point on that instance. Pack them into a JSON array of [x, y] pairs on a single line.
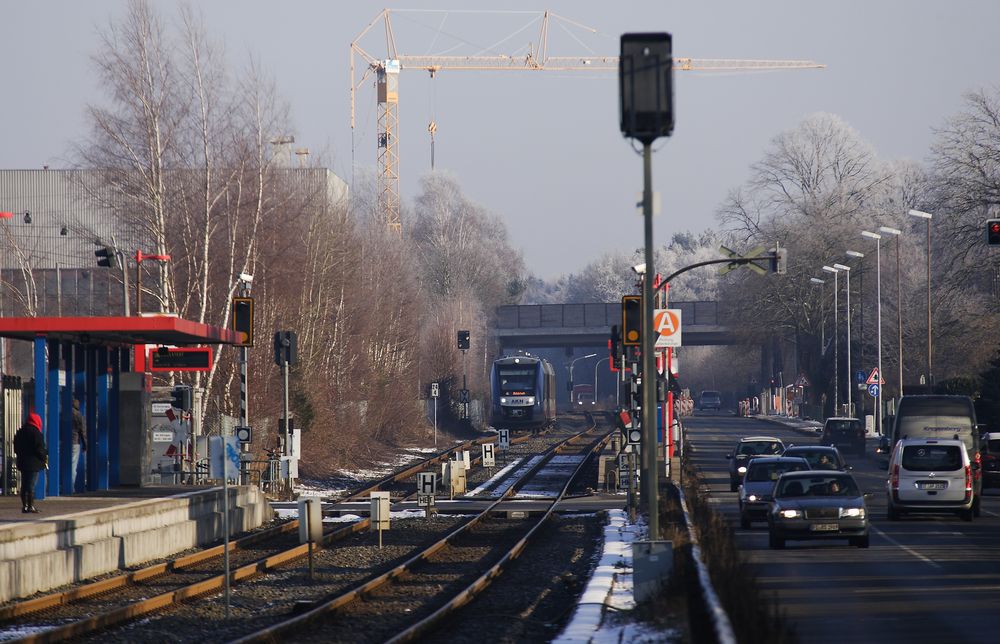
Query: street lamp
[[596, 365], [589, 355], [822, 329], [926, 216], [850, 393], [861, 293], [899, 303], [836, 340], [878, 308]]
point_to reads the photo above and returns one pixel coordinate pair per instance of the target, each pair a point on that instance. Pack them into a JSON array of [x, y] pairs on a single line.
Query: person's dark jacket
[[29, 445], [79, 427]]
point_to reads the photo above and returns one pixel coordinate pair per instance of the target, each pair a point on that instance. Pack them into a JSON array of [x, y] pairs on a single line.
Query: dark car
[[710, 399], [819, 457], [846, 433], [989, 447], [817, 505], [757, 488], [747, 448]]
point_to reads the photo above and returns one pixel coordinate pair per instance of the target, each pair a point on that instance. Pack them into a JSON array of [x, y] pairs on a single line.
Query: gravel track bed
[[264, 600], [535, 596], [387, 610]]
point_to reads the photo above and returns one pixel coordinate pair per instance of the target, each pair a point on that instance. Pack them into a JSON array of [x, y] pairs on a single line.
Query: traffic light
[[104, 256], [993, 232], [779, 261], [463, 340], [180, 398], [632, 320], [614, 347], [242, 320], [285, 348]]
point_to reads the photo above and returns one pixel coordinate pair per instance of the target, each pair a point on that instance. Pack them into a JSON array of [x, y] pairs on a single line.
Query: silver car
[[757, 489], [818, 505]]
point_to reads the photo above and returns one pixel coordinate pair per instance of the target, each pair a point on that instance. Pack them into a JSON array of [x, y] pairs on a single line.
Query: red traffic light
[[993, 232]]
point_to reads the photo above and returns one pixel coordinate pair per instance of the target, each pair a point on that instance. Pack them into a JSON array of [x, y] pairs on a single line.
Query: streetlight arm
[[736, 260]]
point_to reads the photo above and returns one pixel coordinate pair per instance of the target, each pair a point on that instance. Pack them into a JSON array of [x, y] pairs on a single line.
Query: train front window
[[517, 381]]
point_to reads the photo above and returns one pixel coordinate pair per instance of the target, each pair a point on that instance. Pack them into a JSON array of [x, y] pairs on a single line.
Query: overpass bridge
[[533, 326]]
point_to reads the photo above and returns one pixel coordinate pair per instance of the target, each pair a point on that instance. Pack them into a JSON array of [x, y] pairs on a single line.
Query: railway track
[[103, 604]]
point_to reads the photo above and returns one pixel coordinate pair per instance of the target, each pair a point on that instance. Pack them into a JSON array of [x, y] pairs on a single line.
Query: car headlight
[[791, 514], [741, 469], [752, 498], [503, 401], [854, 513]]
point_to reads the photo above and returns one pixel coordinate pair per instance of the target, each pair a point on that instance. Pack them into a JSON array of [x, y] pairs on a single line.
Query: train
[[523, 393]]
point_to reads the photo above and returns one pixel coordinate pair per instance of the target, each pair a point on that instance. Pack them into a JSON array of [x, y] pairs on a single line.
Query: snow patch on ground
[[495, 477], [610, 587]]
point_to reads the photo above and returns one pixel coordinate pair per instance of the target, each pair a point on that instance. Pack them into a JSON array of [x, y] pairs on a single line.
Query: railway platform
[[79, 536]]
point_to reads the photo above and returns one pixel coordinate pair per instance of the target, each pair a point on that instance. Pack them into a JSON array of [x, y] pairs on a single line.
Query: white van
[[930, 475]]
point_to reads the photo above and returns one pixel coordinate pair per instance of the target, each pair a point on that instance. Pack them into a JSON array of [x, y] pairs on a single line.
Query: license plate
[[932, 486], [824, 527]]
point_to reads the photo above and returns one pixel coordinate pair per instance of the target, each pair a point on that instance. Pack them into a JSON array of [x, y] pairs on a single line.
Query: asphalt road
[[924, 579]]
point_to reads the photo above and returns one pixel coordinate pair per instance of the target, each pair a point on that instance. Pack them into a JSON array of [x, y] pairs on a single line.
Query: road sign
[[875, 378], [244, 434], [435, 390], [633, 435], [489, 459], [755, 252], [667, 323], [859, 376], [503, 439], [425, 500], [463, 395], [802, 381], [427, 483], [873, 390]]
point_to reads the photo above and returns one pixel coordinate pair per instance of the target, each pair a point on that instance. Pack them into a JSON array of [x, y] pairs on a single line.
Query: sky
[[542, 150]]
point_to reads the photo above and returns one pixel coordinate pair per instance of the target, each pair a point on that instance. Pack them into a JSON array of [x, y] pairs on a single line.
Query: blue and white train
[[524, 393]]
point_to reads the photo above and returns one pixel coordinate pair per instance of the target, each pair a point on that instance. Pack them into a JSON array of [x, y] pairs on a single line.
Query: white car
[[930, 475]]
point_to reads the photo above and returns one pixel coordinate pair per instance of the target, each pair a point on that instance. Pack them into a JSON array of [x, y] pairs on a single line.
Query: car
[[820, 457], [989, 448], [747, 448], [847, 433], [930, 475], [710, 399], [757, 488], [817, 505]]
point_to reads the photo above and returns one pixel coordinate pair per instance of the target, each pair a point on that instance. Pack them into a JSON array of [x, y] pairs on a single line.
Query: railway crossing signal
[[993, 232], [180, 398], [632, 320], [463, 340]]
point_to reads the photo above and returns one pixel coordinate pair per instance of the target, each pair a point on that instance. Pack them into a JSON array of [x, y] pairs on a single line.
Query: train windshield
[[517, 379]]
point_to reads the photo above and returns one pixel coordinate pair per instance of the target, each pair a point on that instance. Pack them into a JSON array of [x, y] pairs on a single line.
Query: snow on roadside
[[610, 590]]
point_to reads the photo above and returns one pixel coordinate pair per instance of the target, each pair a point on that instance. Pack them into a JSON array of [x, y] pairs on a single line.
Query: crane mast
[[386, 72]]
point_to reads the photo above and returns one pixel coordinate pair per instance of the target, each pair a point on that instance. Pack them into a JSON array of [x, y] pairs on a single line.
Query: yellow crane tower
[[386, 72]]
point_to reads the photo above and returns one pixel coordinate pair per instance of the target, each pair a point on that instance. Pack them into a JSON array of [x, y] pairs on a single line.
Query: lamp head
[[870, 235], [890, 231], [841, 267], [921, 214], [830, 269], [854, 253]]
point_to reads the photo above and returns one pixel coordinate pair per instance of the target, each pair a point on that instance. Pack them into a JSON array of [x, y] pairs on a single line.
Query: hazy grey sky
[[542, 150]]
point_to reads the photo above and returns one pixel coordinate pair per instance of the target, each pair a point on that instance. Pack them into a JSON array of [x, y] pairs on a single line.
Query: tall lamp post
[[645, 80], [878, 308], [926, 216], [822, 329], [861, 314], [836, 340], [850, 392], [571, 381], [899, 303]]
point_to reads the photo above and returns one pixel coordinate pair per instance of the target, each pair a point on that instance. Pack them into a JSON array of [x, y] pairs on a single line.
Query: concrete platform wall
[[52, 552]]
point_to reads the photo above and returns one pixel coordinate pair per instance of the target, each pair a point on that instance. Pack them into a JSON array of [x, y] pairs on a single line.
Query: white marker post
[[489, 459], [379, 514], [426, 489]]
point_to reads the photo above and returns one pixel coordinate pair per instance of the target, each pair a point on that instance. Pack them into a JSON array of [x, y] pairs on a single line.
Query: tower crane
[[386, 72]]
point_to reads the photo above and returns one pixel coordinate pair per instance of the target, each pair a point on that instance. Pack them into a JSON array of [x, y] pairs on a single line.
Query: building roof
[[118, 330]]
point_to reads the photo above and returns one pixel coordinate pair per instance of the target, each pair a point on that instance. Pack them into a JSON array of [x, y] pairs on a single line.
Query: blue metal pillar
[[82, 394], [103, 424], [91, 416], [53, 438], [114, 431], [39, 403], [66, 424]]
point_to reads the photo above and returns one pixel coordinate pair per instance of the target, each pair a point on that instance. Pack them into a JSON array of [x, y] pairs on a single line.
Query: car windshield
[[819, 459], [757, 448], [817, 486], [760, 472], [928, 458]]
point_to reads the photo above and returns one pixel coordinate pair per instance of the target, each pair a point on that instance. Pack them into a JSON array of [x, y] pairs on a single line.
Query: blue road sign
[[873, 390], [859, 376]]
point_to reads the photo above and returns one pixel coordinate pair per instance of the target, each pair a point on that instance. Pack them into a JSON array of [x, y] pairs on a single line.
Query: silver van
[[930, 475]]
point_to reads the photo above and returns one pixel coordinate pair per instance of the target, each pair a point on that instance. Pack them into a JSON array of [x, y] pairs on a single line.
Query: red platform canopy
[[159, 329]]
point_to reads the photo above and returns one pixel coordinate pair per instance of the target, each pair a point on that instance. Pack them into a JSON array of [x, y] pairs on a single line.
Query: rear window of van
[[930, 458]]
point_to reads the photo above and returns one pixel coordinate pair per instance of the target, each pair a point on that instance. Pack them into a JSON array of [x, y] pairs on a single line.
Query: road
[[926, 579]]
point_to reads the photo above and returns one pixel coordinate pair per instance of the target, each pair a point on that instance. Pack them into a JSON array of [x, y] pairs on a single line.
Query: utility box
[[310, 520], [379, 511], [652, 564], [134, 419], [456, 477]]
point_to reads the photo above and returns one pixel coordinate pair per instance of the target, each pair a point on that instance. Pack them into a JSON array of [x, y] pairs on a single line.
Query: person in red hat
[[32, 457]]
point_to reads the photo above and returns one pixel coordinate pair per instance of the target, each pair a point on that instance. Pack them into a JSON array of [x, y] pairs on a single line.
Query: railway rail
[[103, 604]]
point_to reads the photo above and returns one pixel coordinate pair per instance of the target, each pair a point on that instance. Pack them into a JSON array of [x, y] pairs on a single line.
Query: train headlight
[[503, 401], [531, 400]]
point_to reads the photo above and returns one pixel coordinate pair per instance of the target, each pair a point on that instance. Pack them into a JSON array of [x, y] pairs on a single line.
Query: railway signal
[[993, 232], [631, 320]]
